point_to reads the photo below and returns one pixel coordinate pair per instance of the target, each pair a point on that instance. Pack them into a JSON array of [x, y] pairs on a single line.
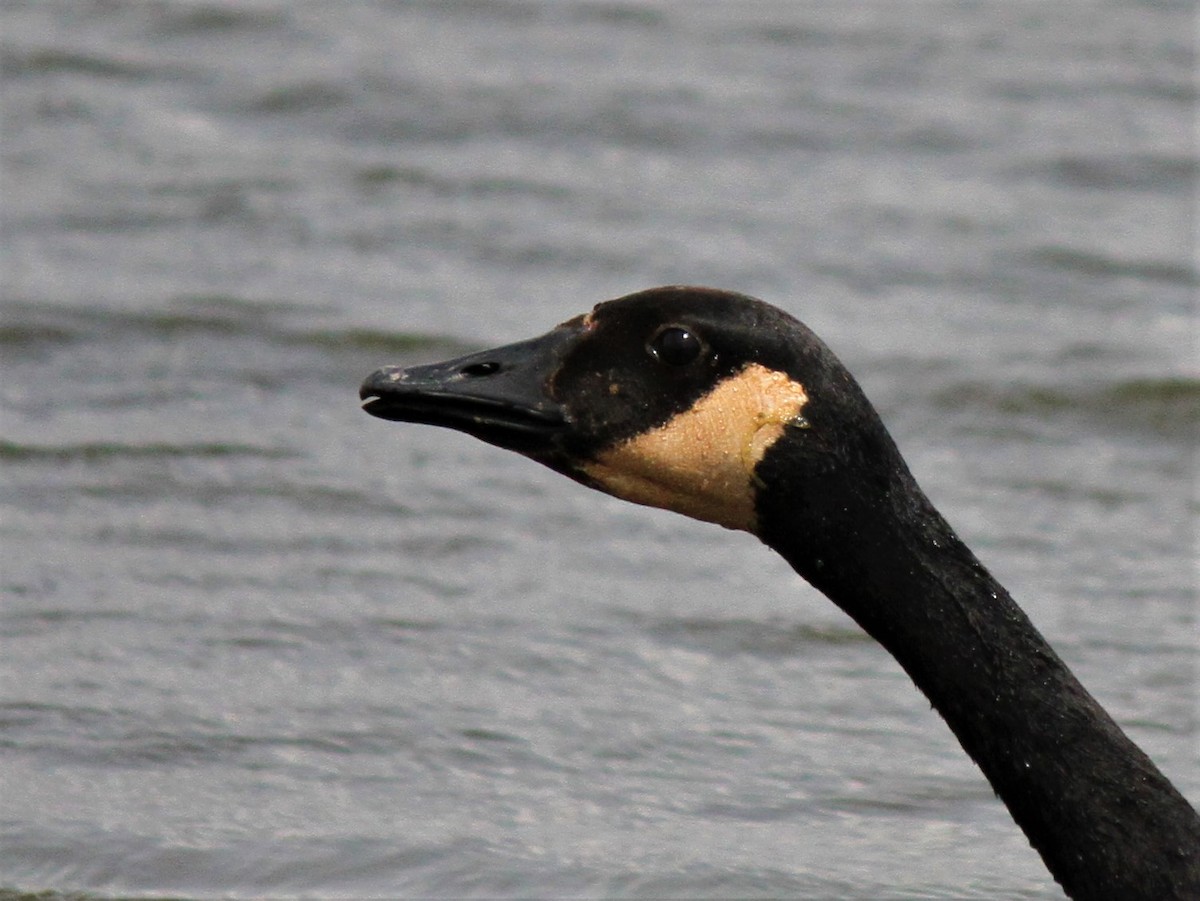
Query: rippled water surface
[[256, 643]]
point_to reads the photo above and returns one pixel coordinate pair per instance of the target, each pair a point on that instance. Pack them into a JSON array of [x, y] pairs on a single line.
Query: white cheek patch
[[701, 463]]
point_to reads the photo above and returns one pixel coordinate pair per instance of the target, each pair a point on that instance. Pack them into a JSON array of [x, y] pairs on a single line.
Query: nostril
[[478, 369]]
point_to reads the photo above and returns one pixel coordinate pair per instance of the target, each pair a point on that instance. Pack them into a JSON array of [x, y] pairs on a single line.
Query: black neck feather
[[1106, 822]]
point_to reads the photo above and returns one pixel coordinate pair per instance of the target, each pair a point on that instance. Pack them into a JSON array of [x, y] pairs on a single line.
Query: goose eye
[[675, 346]]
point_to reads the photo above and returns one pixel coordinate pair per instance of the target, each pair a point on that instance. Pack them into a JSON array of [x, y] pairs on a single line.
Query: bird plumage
[[726, 409]]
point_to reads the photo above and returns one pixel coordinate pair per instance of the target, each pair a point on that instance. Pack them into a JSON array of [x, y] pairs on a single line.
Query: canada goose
[[726, 409]]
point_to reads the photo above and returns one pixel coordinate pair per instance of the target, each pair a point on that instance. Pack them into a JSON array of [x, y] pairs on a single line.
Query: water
[[256, 643]]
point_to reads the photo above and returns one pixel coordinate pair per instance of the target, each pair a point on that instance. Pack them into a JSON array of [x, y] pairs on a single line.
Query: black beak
[[500, 396]]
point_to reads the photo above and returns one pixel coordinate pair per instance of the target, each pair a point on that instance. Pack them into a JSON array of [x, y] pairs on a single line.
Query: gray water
[[257, 644]]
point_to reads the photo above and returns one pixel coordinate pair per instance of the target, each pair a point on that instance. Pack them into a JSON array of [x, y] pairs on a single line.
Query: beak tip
[[378, 381]]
